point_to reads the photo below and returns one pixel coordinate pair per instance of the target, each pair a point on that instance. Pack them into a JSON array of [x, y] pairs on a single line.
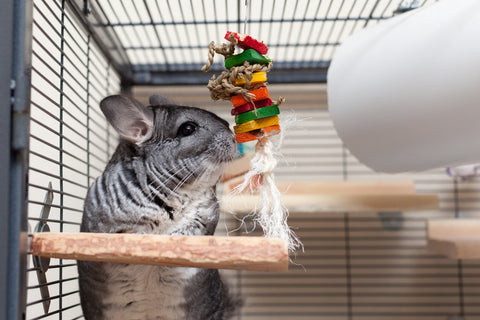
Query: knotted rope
[[223, 87]]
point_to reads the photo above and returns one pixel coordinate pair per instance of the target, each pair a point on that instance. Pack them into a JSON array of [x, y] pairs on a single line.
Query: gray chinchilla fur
[[160, 180]]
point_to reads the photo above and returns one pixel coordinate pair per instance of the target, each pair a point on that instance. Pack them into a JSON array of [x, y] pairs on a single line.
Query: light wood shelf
[[339, 187], [242, 253], [454, 238], [339, 197]]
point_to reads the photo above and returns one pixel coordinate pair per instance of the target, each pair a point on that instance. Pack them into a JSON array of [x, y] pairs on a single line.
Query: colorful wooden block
[[250, 55], [250, 106], [257, 134], [256, 124], [247, 42], [260, 94], [257, 114], [257, 77]]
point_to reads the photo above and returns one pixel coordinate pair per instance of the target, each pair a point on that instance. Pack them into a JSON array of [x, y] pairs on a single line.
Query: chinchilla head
[[188, 145]]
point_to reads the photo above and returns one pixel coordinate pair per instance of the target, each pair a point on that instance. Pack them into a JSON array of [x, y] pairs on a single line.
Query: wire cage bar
[[70, 141], [153, 42]]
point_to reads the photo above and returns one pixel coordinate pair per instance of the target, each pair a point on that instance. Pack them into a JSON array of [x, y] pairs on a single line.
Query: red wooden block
[[250, 106], [260, 94], [246, 42]]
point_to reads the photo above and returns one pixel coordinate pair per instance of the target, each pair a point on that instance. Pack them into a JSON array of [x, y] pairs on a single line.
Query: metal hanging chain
[[246, 17]]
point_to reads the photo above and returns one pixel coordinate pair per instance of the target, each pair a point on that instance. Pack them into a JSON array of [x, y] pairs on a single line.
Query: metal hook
[[391, 220], [42, 264], [86, 9], [406, 5], [246, 17]]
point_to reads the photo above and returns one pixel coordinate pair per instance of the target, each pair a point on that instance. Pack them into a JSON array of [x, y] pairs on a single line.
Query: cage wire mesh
[[70, 141], [172, 35], [353, 267]]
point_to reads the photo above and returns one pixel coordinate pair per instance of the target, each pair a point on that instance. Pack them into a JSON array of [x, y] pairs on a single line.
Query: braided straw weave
[[223, 88]]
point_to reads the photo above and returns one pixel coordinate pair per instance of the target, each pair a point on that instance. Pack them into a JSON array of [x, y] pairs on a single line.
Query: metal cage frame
[[15, 65]]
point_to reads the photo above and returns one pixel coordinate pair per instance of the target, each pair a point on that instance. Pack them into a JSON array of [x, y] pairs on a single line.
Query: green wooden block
[[257, 114], [250, 55]]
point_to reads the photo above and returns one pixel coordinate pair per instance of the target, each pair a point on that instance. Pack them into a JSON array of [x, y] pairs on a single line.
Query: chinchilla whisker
[[156, 185], [172, 175], [185, 179], [162, 186], [204, 171]]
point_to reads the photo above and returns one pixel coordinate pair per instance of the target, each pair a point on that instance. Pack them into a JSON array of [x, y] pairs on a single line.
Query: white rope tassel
[[272, 215]]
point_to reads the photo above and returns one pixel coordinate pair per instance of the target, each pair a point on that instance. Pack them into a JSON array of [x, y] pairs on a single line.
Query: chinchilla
[[160, 180]]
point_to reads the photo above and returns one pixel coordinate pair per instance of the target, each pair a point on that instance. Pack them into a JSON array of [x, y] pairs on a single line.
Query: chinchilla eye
[[186, 129]]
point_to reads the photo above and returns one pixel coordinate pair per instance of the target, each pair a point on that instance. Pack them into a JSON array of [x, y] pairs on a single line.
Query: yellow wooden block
[[257, 77], [256, 124]]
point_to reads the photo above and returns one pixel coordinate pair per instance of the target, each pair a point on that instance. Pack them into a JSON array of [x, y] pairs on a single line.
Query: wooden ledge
[[338, 187], [244, 204], [338, 196], [242, 253], [454, 238]]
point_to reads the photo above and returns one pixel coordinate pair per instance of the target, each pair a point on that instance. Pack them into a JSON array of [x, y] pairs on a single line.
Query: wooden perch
[[245, 253], [338, 196], [454, 238], [337, 203], [339, 187]]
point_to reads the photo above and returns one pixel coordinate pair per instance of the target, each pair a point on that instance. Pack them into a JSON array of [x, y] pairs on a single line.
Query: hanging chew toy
[[244, 83], [256, 116]]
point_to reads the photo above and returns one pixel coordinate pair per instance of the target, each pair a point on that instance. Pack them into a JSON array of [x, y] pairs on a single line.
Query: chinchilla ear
[[158, 100], [130, 118]]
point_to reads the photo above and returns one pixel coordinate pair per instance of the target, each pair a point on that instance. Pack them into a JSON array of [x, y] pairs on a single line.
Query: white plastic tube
[[404, 95]]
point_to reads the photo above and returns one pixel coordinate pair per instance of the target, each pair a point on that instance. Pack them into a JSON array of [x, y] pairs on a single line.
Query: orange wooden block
[[257, 134], [260, 94]]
